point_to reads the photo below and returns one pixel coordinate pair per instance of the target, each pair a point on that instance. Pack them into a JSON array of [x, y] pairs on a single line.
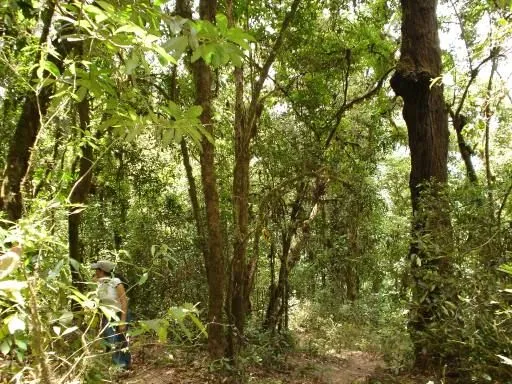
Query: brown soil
[[158, 366]]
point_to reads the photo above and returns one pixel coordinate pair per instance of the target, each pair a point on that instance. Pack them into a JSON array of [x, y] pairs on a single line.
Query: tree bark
[[215, 266], [425, 114], [34, 108]]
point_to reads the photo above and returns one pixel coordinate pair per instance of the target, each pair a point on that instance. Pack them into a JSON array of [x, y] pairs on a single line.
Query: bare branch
[[346, 106], [270, 60]]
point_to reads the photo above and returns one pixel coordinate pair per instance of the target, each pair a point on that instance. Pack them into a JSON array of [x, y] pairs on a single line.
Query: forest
[[256, 191]]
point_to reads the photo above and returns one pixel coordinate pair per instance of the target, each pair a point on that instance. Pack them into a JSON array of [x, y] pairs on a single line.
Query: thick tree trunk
[[425, 114], [240, 216], [35, 107], [215, 266]]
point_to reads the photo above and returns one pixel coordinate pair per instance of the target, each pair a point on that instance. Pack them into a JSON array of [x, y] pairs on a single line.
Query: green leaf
[[5, 347], [132, 63], [74, 264], [131, 28], [194, 111], [238, 36], [176, 46], [198, 324], [21, 344], [99, 15], [162, 332], [52, 68], [236, 59], [106, 6], [163, 56], [143, 278], [222, 23], [55, 272], [173, 109]]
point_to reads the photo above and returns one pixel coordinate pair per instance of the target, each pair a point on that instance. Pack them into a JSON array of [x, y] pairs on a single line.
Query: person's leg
[[122, 356], [108, 334]]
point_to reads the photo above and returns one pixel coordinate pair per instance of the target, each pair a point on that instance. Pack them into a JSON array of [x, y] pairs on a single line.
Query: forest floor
[[155, 366]]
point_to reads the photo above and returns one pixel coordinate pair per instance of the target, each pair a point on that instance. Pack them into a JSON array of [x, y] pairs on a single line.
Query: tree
[[34, 109], [416, 81], [215, 268]]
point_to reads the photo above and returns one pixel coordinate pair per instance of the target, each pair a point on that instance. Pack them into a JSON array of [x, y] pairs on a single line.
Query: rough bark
[[426, 117], [215, 266], [240, 216], [34, 108]]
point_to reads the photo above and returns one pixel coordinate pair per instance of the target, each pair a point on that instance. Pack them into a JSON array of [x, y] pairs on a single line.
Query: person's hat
[[104, 265]]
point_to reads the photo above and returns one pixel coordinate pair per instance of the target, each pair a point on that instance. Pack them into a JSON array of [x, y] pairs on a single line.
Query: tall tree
[[215, 265], [246, 122], [27, 129], [80, 189], [426, 117]]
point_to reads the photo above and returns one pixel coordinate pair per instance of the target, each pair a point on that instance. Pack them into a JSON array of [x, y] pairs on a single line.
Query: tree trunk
[[240, 216], [238, 276], [425, 114], [487, 114], [34, 108], [245, 129], [294, 241], [215, 266], [79, 193]]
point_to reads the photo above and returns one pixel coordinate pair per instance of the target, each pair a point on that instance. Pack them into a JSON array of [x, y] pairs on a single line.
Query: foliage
[[326, 116]]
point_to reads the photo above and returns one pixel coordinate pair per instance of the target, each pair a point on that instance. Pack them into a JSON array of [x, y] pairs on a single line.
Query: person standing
[[112, 293]]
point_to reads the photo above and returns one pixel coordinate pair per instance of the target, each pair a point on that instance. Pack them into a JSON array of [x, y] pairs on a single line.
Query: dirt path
[[347, 368]]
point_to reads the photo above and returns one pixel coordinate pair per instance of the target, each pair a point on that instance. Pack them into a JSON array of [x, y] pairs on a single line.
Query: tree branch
[[474, 74], [346, 106], [270, 60]]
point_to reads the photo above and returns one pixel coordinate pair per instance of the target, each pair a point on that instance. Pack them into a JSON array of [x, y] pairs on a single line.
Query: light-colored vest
[[107, 292]]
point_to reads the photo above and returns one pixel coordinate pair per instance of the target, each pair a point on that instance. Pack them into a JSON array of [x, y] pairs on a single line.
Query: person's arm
[[123, 300]]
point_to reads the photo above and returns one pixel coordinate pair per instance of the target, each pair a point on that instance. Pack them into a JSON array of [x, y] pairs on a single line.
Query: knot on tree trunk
[[408, 83]]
